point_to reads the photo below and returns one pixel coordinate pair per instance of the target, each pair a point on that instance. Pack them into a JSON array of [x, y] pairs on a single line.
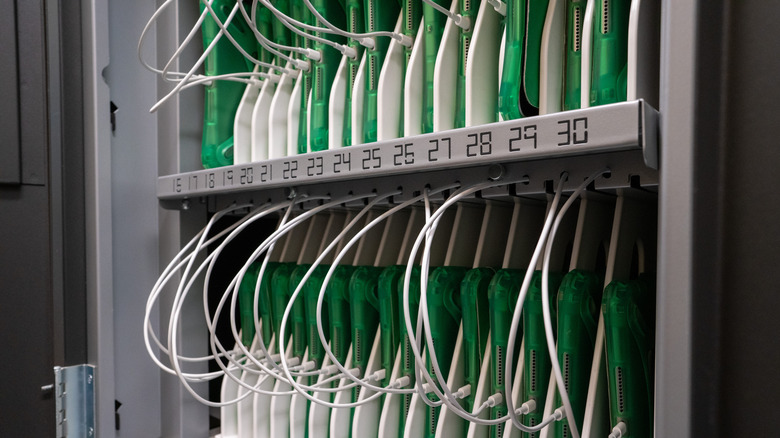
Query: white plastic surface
[[262, 402], [242, 126], [501, 51], [260, 119], [517, 385], [366, 419], [246, 407], [293, 117], [358, 91], [596, 407], [319, 415], [229, 414], [280, 404], [551, 58], [445, 76], [298, 405], [548, 405], [338, 93], [481, 394], [339, 418], [482, 68], [413, 88], [390, 86], [391, 408], [587, 48], [633, 50], [278, 116], [450, 424], [416, 419], [308, 121]]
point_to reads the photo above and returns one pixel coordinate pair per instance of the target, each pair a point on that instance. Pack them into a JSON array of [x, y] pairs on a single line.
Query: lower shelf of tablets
[[611, 233]]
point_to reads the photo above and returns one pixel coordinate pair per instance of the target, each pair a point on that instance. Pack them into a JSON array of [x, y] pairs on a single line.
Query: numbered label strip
[[616, 127]]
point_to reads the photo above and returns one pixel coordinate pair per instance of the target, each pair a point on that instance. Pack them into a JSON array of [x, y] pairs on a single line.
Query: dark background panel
[[25, 298]]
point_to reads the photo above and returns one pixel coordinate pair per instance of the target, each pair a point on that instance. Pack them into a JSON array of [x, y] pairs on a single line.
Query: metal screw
[[495, 172], [91, 431], [185, 204], [46, 389], [89, 379]]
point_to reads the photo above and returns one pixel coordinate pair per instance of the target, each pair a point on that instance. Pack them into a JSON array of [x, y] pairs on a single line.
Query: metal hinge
[[74, 388]]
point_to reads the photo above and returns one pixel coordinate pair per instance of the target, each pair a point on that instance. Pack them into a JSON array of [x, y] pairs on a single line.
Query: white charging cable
[[459, 20], [548, 329]]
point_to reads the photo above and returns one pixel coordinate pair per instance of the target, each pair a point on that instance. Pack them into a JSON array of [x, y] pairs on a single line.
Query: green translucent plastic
[[468, 9], [388, 316], [444, 314], [297, 318], [280, 33], [609, 58], [355, 22], [536, 359], [412, 12], [311, 294], [519, 89], [380, 15], [246, 295], [338, 311], [502, 296], [324, 73], [364, 311], [311, 291], [264, 20], [407, 358], [529, 97], [266, 307], [511, 76], [578, 302], [476, 324], [337, 295], [280, 296], [299, 12], [222, 97], [304, 15], [434, 28], [572, 82], [628, 309]]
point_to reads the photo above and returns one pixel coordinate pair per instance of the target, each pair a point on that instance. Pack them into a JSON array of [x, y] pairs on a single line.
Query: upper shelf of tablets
[[507, 84]]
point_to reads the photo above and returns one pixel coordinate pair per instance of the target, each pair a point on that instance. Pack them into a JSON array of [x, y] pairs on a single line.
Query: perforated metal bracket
[[74, 388], [616, 128]]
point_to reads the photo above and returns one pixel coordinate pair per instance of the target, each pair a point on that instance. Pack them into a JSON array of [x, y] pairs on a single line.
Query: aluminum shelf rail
[[616, 128]]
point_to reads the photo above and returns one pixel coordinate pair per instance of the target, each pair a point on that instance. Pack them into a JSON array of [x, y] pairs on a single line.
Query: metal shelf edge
[[609, 128]]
